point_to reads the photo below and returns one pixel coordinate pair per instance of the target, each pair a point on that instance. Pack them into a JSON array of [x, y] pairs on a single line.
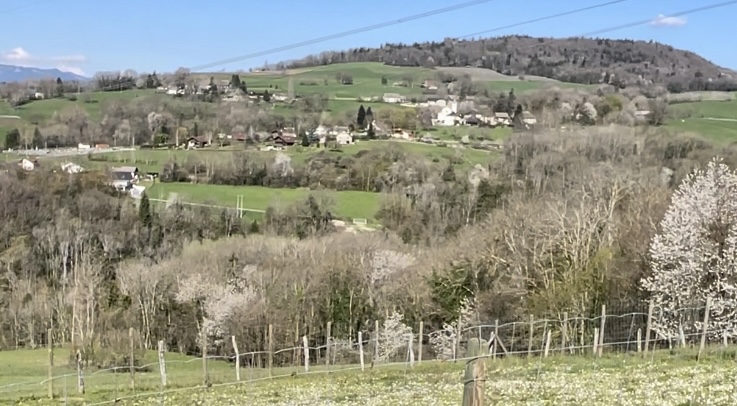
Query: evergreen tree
[[511, 102], [157, 82], [305, 140], [266, 97], [235, 81], [59, 88], [196, 130], [369, 118], [38, 139], [144, 211], [371, 133], [12, 139], [361, 117], [150, 82]]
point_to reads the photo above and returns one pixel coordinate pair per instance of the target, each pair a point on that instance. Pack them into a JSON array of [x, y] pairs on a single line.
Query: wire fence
[[68, 376]]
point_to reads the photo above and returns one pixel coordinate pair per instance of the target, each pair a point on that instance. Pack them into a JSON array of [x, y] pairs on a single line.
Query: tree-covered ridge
[[577, 60]]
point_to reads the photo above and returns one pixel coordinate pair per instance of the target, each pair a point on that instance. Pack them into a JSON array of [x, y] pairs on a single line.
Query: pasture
[[346, 204], [715, 120], [367, 80], [660, 378]]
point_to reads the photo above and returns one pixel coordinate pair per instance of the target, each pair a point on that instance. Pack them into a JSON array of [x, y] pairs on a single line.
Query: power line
[[549, 17], [467, 4], [343, 34], [601, 31], [646, 21]]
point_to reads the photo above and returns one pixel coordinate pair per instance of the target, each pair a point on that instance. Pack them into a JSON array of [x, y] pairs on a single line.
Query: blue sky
[[93, 35]]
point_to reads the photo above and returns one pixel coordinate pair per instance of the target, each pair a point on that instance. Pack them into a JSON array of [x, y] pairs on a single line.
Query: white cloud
[[21, 57], [665, 21]]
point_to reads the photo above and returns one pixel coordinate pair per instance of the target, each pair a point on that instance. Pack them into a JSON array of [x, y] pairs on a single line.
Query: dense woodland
[[561, 222], [577, 60]]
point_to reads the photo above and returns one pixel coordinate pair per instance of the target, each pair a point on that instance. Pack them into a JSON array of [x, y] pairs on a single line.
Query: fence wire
[[622, 333]]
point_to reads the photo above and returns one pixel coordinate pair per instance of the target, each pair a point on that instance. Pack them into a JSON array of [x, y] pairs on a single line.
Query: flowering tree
[[393, 337], [695, 255], [218, 301], [443, 342]]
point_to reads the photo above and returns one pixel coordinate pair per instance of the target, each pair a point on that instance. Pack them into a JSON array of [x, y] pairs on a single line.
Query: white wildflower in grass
[[393, 336], [631, 382], [695, 255], [443, 342]]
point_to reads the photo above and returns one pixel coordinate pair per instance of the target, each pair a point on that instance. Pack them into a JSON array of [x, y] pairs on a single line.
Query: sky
[[88, 36]]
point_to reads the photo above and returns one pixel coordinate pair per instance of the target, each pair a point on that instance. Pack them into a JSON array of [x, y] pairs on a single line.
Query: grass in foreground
[[626, 379]]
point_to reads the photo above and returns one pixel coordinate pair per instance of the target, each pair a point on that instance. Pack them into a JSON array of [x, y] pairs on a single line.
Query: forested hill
[[578, 60]]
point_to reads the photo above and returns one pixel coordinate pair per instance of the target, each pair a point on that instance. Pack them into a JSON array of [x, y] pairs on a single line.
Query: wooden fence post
[[237, 359], [496, 338], [601, 329], [547, 343], [131, 358], [532, 333], [50, 345], [649, 325], [410, 350], [419, 343], [377, 333], [306, 351], [327, 344], [457, 348], [360, 349], [704, 328], [563, 333], [475, 374], [596, 341], [639, 340], [162, 364], [80, 376], [271, 349], [205, 375]]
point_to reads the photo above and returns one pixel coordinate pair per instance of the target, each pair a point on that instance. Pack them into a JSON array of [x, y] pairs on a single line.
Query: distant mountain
[[10, 73], [577, 60]]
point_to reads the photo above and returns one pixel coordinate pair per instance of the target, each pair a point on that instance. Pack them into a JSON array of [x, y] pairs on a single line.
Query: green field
[[367, 80], [347, 204], [41, 110], [715, 120], [662, 378]]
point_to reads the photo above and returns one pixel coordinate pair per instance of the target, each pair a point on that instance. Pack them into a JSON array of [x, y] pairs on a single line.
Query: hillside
[[12, 73], [576, 60]]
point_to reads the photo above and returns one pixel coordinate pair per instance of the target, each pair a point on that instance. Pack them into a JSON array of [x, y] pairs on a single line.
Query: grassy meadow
[[347, 204], [661, 378], [715, 120], [367, 80]]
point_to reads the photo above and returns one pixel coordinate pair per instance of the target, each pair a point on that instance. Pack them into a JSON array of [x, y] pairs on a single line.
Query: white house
[[343, 138], [446, 117], [321, 131], [502, 118], [401, 134], [393, 98]]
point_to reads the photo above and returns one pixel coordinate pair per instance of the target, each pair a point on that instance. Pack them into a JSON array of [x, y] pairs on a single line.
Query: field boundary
[[381, 347]]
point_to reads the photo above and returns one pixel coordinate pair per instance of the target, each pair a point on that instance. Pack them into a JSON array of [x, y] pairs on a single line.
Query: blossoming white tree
[[444, 342], [695, 255], [219, 301], [393, 336]]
